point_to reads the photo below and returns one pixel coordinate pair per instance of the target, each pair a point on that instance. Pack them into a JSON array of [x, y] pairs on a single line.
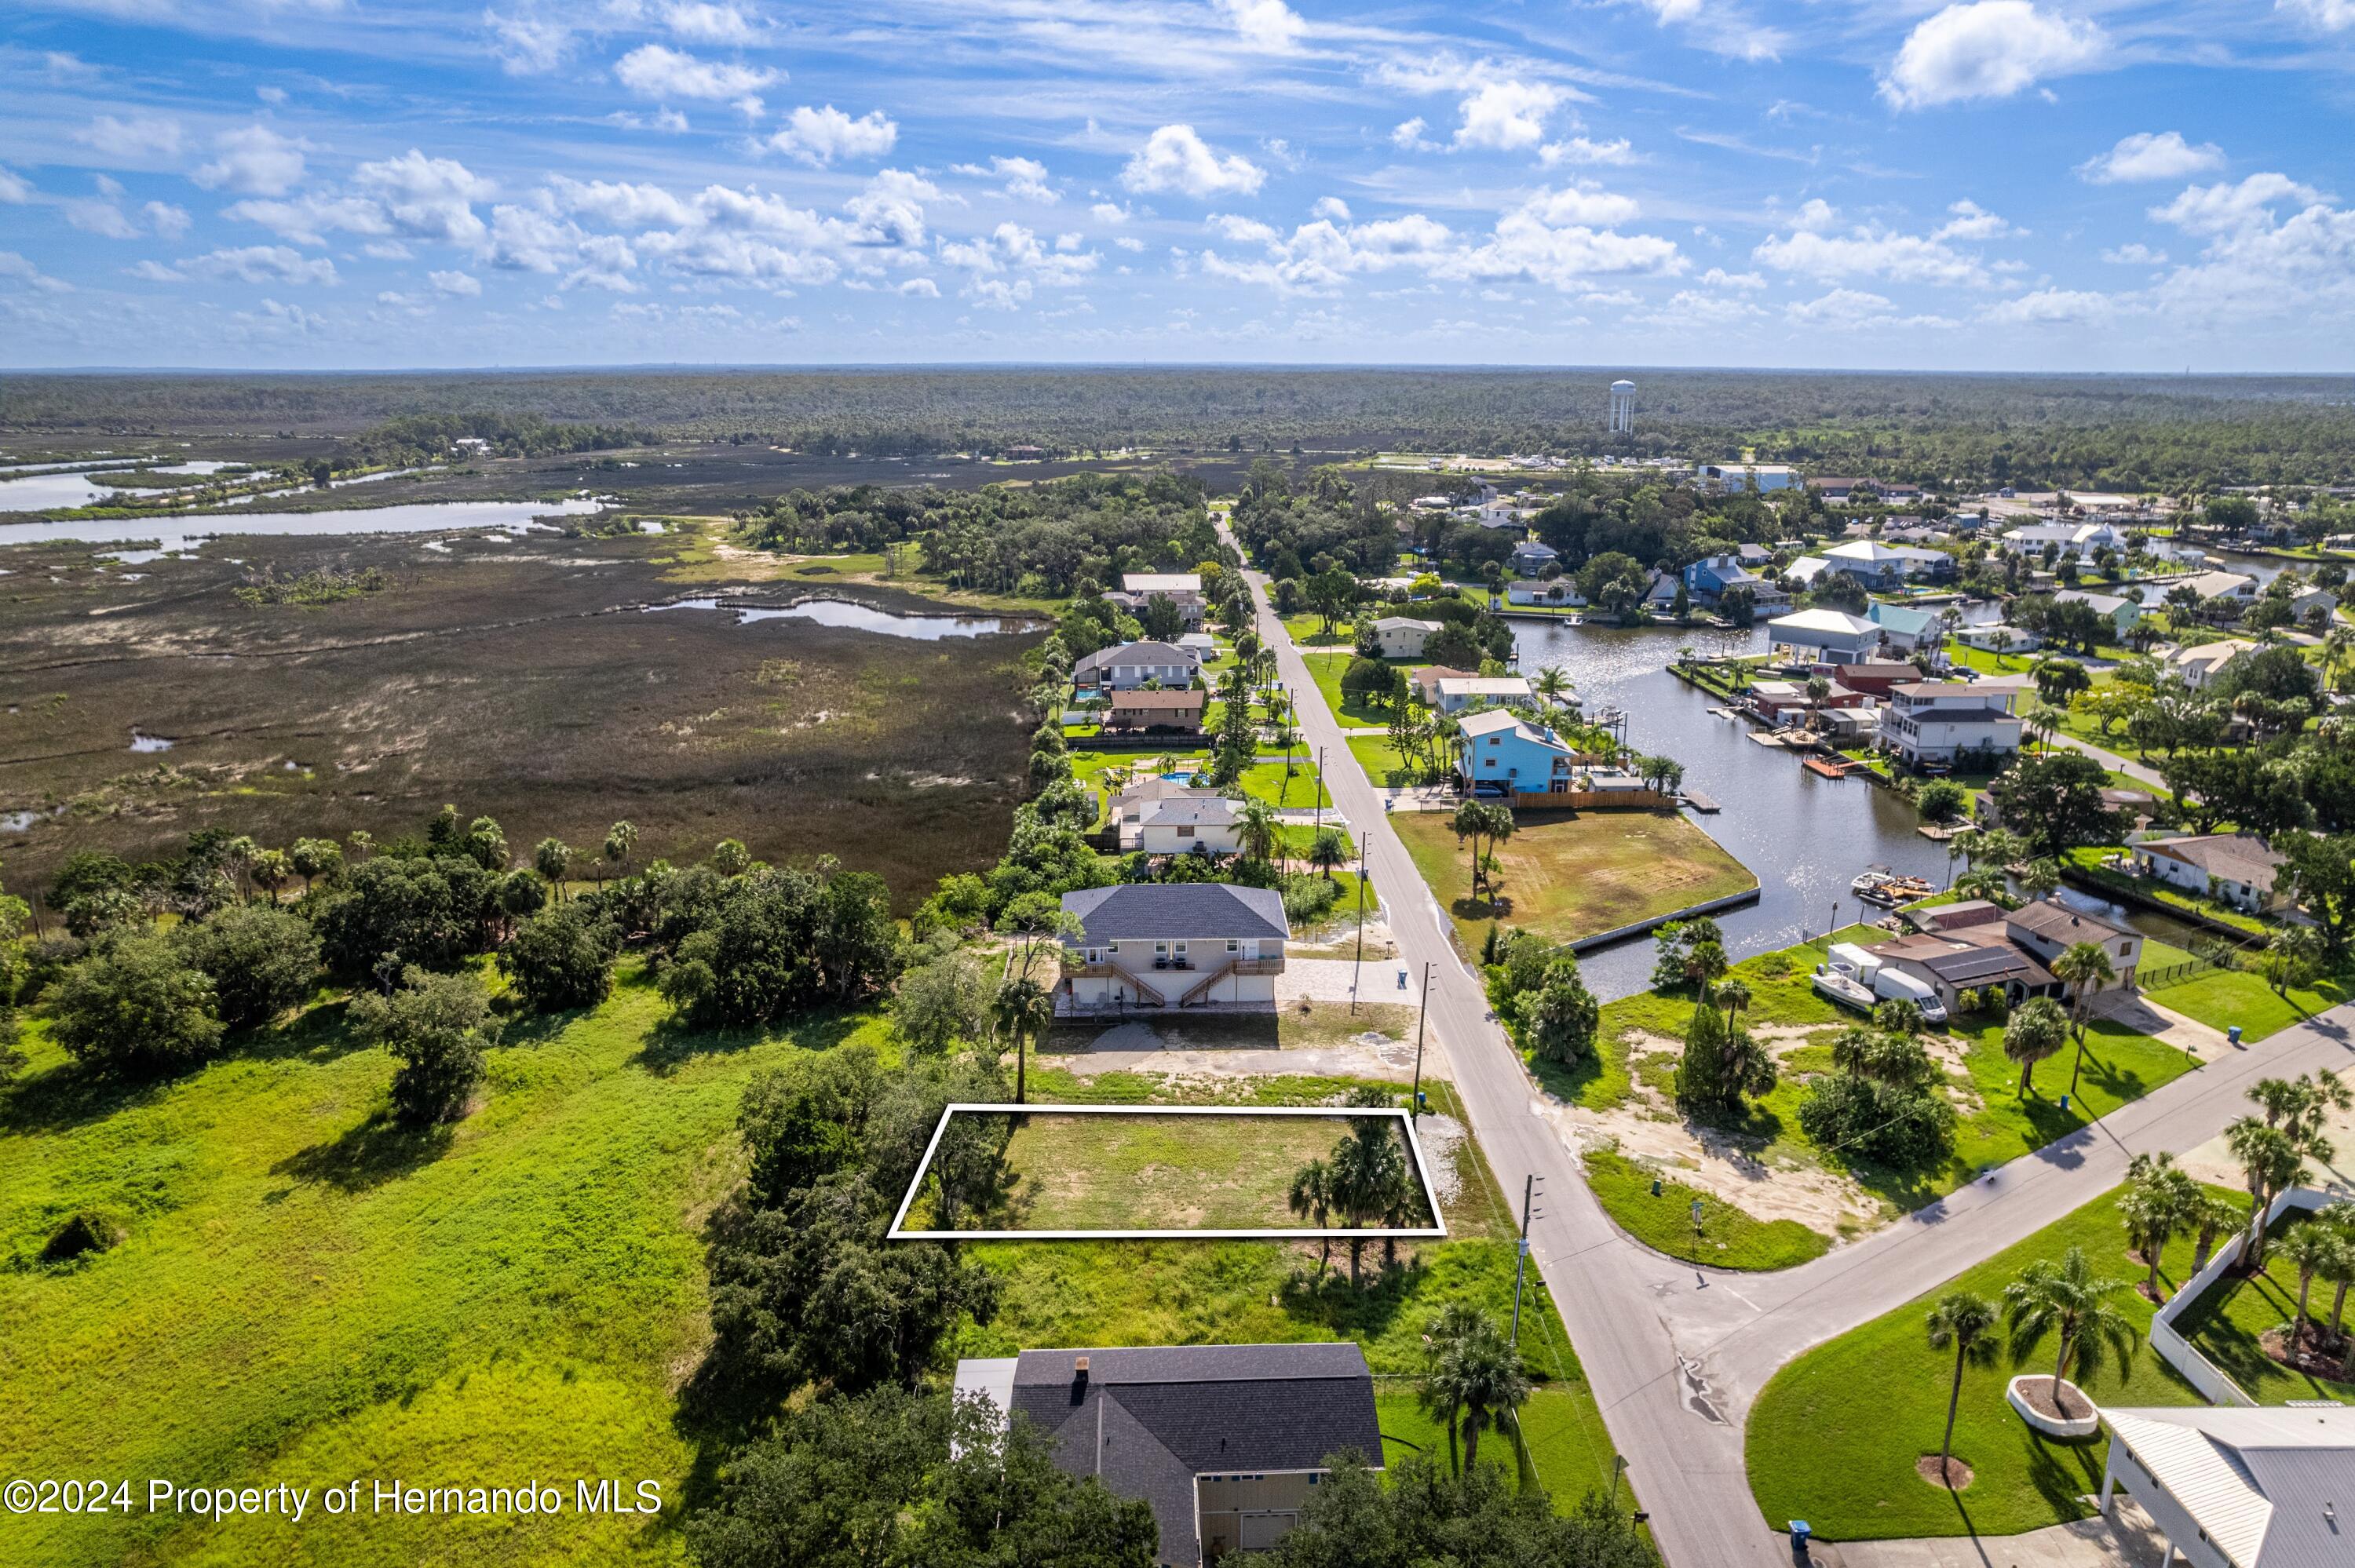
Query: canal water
[[1805, 837]]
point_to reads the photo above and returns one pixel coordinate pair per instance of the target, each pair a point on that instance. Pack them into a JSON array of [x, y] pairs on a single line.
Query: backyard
[[1834, 1437], [1569, 875], [2227, 1324]]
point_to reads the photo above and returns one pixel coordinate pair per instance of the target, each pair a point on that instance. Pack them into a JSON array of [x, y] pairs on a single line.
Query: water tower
[[1622, 408]]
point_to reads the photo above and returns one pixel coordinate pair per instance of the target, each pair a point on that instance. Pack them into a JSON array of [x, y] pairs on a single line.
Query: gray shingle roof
[[1161, 911], [1215, 812], [1149, 1419]]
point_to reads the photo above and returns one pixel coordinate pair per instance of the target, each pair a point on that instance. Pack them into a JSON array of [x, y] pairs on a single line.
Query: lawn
[[2224, 1324], [1267, 780], [1327, 666], [2223, 998], [1558, 1444], [1834, 1436], [1728, 1237], [1306, 631], [1138, 1172], [302, 1293], [1571, 875]]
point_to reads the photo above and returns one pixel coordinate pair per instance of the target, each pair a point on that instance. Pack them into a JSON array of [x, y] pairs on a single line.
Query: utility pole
[[1357, 965], [1520, 1267], [1320, 787], [1414, 1106]]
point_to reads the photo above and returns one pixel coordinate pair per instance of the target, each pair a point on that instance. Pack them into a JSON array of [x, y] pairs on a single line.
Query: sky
[[1992, 185]]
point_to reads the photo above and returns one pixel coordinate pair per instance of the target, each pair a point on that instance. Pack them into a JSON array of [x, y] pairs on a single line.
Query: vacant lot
[[1569, 875], [1125, 1173], [512, 677]]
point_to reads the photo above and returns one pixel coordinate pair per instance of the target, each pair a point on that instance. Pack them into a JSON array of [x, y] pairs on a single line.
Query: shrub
[[135, 1005], [85, 1232], [1864, 1119], [261, 960], [1308, 898], [562, 957], [436, 1027]]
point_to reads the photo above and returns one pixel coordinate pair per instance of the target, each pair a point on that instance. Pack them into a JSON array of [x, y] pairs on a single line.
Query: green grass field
[[1728, 1237], [1834, 1436], [1173, 1173], [2225, 1322], [1572, 875], [2223, 998], [1267, 780], [1326, 665]]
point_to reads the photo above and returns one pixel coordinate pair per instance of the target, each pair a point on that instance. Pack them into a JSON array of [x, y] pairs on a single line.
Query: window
[[1234, 946], [1186, 831]]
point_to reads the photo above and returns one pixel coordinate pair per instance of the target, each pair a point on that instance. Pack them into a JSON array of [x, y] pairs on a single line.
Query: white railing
[[2174, 1348]]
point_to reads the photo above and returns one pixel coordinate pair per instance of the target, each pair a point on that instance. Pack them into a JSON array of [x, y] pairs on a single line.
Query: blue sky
[[1995, 184]]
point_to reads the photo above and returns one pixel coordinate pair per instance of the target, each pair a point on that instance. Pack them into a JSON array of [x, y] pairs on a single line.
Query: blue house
[[1707, 581], [1505, 751], [1905, 628]]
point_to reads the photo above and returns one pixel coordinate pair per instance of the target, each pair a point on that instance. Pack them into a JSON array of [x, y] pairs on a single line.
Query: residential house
[[1875, 679], [2237, 1485], [1888, 568], [1226, 1441], [1998, 637], [2232, 592], [1709, 581], [2078, 539], [1132, 664], [1173, 944], [1733, 476], [1953, 916], [1161, 816], [2198, 667], [1560, 594], [1805, 569], [1757, 557], [1529, 557], [2121, 613], [1839, 491], [1660, 593], [2048, 928], [2238, 868], [1183, 589], [1826, 636], [1201, 644], [1456, 692], [1402, 638], [1968, 959], [1176, 713], [1937, 721], [1786, 702], [1508, 752], [1426, 680], [2313, 604], [1904, 628]]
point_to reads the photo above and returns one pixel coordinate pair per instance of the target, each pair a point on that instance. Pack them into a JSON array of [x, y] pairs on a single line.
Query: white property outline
[[1437, 1230]]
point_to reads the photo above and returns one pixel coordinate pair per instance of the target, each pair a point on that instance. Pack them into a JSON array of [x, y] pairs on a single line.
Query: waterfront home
[[1529, 557], [1426, 680], [1201, 644], [1560, 594], [1953, 916], [2237, 868], [2313, 604], [1805, 569], [1710, 579], [1938, 721], [1454, 694], [1886, 567], [1755, 556], [1183, 589], [1826, 636], [1504, 750], [1402, 638], [2198, 667], [1786, 702], [2121, 613], [2048, 928], [1174, 713], [1877, 678], [1132, 664], [1227, 1443], [1996, 635], [1904, 628], [1968, 959], [1173, 944], [2079, 539]]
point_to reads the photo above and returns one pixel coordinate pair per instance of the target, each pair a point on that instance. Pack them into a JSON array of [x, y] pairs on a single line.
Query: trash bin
[[2234, 1035], [1799, 1534]]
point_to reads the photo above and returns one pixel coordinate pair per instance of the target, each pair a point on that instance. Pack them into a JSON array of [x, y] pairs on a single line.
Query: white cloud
[[1174, 158], [164, 220], [294, 318], [1408, 135], [1245, 230], [428, 197], [1868, 252], [919, 289], [818, 136], [264, 264], [1718, 277], [2330, 14], [157, 273], [1815, 216], [255, 160], [700, 22], [271, 95], [1268, 24], [652, 70], [2151, 155], [1106, 212], [14, 186], [1580, 204], [1506, 114], [1333, 207], [2226, 208], [135, 139], [1554, 238], [622, 204], [1856, 310], [2053, 307], [1989, 48], [1026, 180], [1579, 150], [2134, 255], [1972, 221], [457, 284], [307, 220], [1129, 242], [99, 215], [15, 266], [527, 43]]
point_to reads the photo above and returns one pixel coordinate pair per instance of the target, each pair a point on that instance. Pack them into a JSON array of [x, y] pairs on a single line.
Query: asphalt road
[[1674, 1355]]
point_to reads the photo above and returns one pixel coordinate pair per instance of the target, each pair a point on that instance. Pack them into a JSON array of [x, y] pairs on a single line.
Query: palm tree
[[1551, 686], [2037, 1029], [2208, 1219], [1733, 996], [619, 842], [552, 857], [2158, 1201], [1024, 1007], [2339, 1220], [2337, 643], [2040, 878], [1474, 1369], [2309, 1249], [1259, 832], [2086, 969], [2270, 1162], [1312, 1199], [2065, 1299], [1328, 850], [1967, 1322]]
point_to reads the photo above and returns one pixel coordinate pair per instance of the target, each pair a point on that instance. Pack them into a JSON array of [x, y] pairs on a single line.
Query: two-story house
[[1132, 664], [1173, 944], [1402, 637], [1934, 721], [1454, 694], [1183, 589], [1505, 752], [2048, 928], [1712, 579], [1529, 557]]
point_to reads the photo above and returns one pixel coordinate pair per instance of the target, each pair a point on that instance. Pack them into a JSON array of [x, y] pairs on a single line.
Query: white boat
[[1875, 885], [1842, 986]]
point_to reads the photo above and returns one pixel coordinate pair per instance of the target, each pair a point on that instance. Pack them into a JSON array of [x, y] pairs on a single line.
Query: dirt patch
[[1951, 1474], [1442, 1137], [2317, 1354], [2072, 1405]]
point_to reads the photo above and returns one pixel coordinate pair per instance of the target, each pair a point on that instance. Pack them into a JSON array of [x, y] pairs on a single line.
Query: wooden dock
[[1828, 769], [1700, 803]]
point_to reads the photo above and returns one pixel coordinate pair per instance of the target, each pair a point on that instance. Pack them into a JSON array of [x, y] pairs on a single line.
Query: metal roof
[[2264, 1483]]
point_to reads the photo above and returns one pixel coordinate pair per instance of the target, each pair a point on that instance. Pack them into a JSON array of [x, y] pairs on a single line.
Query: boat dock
[[1700, 803]]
